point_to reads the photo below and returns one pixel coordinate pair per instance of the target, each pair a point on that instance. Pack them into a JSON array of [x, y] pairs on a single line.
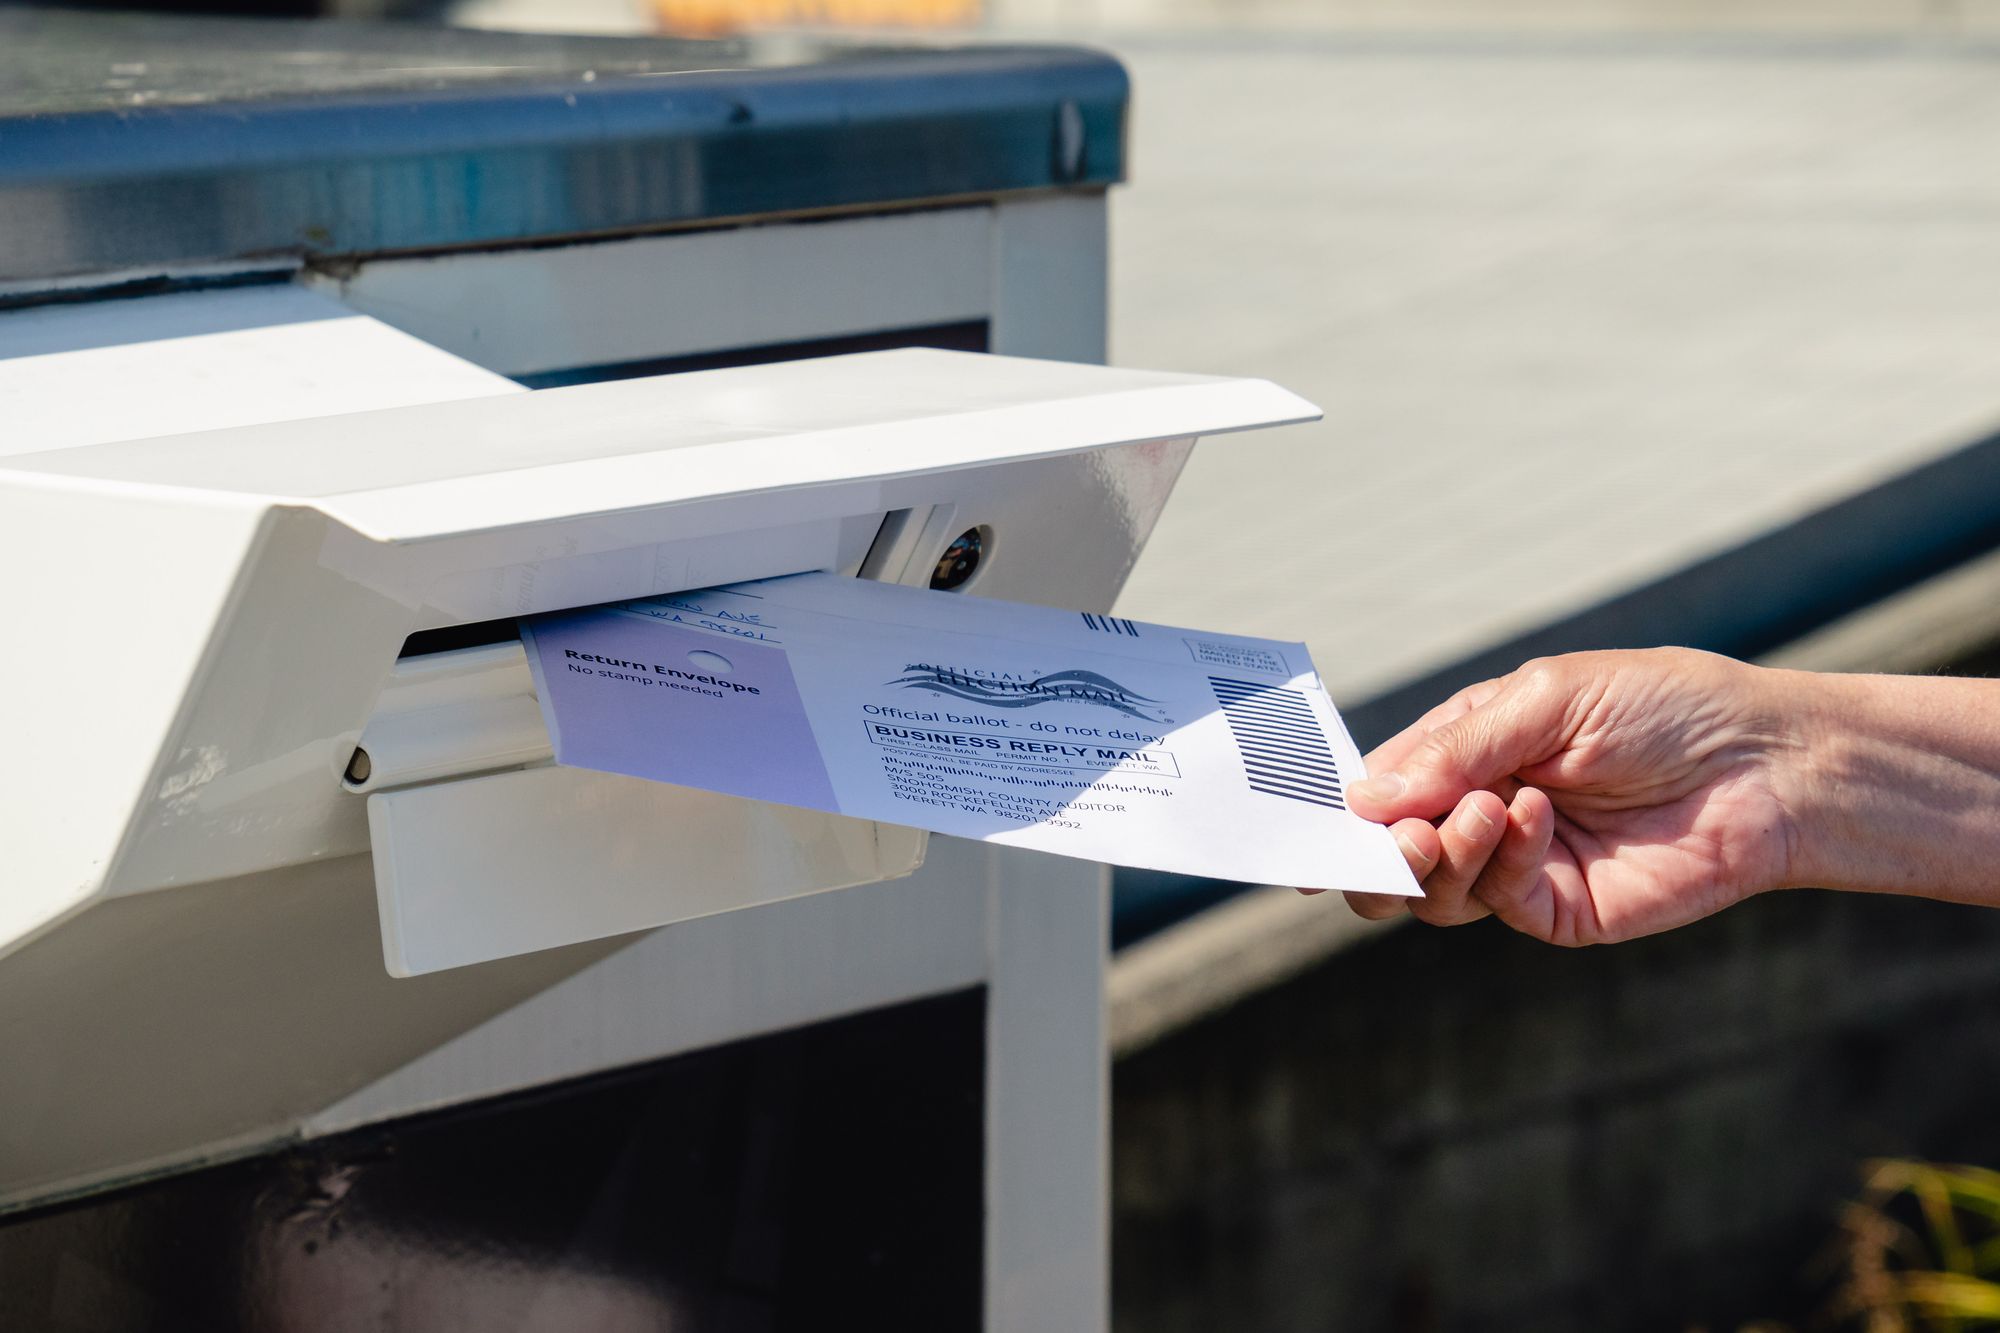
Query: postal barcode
[[1284, 752], [1110, 624]]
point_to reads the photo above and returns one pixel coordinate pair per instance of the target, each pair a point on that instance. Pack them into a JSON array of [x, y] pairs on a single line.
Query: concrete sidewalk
[[1579, 311]]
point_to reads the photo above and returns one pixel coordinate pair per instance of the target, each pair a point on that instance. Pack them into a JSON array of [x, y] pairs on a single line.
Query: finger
[[1377, 906], [1400, 746], [1420, 847], [1522, 724], [1515, 881], [1465, 842]]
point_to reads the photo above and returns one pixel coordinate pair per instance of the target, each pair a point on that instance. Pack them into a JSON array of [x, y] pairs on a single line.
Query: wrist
[[1889, 783], [1816, 725]]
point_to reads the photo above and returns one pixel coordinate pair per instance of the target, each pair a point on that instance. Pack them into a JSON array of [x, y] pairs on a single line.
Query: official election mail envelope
[[1085, 735]]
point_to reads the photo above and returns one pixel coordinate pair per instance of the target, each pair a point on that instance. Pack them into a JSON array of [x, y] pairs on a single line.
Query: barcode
[[1110, 624], [1283, 750]]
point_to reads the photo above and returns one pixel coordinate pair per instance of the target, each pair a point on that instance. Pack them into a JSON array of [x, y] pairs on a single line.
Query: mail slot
[[289, 443]]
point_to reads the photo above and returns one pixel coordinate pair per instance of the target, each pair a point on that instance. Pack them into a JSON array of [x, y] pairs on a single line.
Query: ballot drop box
[[327, 1000]]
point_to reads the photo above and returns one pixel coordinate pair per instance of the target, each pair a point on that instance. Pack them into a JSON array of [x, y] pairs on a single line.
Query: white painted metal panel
[[93, 371], [442, 715], [490, 867], [1048, 1229], [714, 980], [89, 709], [283, 636], [265, 653], [1049, 297], [155, 571], [241, 1005], [426, 472], [523, 312]]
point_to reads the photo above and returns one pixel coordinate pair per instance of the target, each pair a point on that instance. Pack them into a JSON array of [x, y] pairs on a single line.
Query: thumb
[[1521, 725]]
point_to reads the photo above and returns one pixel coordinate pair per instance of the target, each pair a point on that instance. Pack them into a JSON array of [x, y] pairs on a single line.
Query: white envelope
[[1084, 735]]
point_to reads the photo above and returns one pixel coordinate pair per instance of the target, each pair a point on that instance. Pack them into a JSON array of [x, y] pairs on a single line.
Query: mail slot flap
[[444, 469], [489, 867]]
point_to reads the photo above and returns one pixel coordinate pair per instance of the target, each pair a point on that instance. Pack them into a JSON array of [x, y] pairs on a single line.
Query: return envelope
[[1084, 735]]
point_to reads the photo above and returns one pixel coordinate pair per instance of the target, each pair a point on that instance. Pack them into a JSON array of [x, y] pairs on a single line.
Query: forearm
[[1894, 785]]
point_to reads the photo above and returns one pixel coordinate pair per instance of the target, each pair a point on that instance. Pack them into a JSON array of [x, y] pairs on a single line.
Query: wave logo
[[1080, 687]]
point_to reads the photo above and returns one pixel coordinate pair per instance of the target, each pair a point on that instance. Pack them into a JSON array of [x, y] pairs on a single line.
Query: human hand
[[1592, 797]]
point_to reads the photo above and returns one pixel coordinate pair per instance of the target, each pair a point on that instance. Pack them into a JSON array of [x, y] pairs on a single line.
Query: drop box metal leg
[[1047, 1240]]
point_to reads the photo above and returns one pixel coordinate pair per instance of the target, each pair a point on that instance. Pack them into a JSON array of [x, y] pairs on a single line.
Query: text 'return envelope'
[[1085, 735]]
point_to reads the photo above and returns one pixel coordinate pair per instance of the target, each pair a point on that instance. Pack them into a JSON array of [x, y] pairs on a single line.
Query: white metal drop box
[[248, 655], [219, 691], [290, 320]]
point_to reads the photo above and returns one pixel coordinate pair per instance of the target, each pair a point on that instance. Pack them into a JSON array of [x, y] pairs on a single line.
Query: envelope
[[1070, 732]]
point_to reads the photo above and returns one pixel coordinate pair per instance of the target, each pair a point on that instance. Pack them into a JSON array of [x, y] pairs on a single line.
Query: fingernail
[[1420, 860], [1474, 822], [1382, 787]]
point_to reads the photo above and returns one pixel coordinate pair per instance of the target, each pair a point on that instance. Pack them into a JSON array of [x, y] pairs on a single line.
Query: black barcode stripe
[[1279, 742], [1291, 727], [1292, 722], [1110, 624], [1291, 763], [1269, 717], [1303, 734], [1293, 734], [1261, 694], [1303, 747], [1303, 731], [1280, 768], [1249, 690], [1297, 792], [1287, 778], [1304, 766], [1331, 802], [1303, 754], [1251, 687], [1277, 712], [1292, 791], [1312, 770], [1252, 696]]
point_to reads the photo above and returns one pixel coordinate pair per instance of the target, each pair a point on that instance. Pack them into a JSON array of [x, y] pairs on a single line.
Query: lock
[[960, 560]]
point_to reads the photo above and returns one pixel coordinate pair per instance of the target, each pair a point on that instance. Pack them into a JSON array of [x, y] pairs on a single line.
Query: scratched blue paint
[[361, 173]]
